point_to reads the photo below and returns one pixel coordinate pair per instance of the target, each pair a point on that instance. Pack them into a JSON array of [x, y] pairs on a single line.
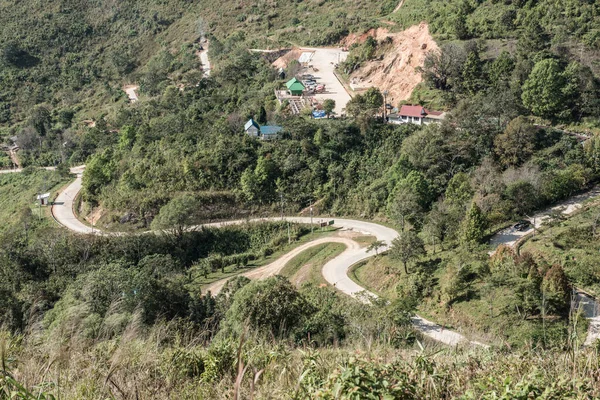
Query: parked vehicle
[[522, 225]]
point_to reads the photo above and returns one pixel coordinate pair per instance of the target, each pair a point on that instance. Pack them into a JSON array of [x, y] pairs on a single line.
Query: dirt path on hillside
[[276, 266], [398, 7], [203, 56], [13, 157], [131, 92]]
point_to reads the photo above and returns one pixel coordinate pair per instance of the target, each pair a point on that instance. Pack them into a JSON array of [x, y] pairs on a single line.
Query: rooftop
[[270, 129], [294, 84], [419, 111], [250, 123]]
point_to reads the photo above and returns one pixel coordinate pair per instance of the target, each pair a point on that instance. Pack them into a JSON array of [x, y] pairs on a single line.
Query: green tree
[[177, 214], [41, 119], [500, 70], [258, 184], [99, 171], [404, 206], [127, 137], [407, 247], [442, 68], [328, 106], [533, 38], [523, 196], [591, 148], [556, 289], [375, 246], [262, 116], [460, 26], [517, 143], [270, 306], [543, 90], [373, 99], [459, 190], [473, 226], [472, 74]]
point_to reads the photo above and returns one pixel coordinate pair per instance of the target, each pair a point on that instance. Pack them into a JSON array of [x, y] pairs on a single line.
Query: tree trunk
[[405, 268]]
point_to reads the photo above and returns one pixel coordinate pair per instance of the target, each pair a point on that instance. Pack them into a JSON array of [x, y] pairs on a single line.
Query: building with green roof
[[295, 87]]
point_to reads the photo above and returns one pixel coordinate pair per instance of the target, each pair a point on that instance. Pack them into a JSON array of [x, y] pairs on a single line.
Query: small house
[[416, 115], [252, 128], [265, 132], [295, 87], [268, 132], [43, 199]]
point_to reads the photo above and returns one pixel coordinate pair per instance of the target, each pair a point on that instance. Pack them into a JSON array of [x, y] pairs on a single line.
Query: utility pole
[[312, 227], [281, 197], [385, 93]]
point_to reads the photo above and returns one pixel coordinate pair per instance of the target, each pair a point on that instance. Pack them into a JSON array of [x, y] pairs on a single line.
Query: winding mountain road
[[276, 266], [335, 271], [62, 209]]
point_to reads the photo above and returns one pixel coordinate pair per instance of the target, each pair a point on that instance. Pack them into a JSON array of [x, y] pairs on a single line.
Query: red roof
[[417, 111]]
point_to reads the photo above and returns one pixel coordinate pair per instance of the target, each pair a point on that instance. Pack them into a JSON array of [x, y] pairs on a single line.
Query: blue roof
[[319, 114], [250, 123], [270, 129]]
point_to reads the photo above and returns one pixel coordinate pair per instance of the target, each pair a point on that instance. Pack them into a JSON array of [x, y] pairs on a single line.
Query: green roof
[[294, 85]]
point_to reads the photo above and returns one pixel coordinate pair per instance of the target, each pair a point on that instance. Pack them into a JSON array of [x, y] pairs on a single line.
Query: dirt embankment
[[395, 69], [287, 56]]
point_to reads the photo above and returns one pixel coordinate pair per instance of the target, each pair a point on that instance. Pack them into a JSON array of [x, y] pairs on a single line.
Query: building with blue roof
[[265, 132]]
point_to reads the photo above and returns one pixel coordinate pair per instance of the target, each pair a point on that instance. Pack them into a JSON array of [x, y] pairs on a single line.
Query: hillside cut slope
[[395, 70]]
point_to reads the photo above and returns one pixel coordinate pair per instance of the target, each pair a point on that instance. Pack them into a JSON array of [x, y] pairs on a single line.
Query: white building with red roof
[[416, 115]]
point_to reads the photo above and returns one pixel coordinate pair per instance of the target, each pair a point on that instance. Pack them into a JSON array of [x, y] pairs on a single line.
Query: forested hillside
[[128, 316]]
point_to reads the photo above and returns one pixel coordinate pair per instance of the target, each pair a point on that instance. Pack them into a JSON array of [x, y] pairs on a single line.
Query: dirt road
[[276, 266], [203, 56], [131, 92]]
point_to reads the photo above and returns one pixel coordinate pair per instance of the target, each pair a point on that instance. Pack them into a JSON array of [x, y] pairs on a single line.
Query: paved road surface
[[62, 209], [324, 59], [335, 271], [510, 236], [276, 266], [591, 311]]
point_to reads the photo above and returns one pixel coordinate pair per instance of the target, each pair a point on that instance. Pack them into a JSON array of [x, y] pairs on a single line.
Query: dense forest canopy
[[519, 83]]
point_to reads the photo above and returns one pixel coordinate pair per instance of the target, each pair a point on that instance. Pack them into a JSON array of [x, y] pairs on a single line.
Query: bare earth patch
[[397, 71]]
